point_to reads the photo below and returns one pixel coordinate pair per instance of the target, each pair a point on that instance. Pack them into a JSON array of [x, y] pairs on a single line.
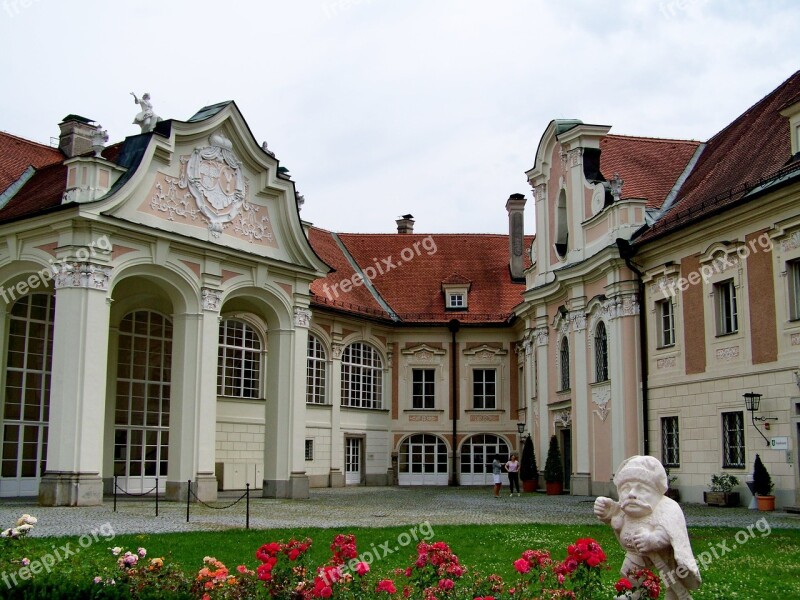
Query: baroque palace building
[[168, 317]]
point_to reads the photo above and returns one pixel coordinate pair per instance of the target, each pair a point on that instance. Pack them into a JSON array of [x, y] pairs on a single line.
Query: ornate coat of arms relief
[[215, 180]]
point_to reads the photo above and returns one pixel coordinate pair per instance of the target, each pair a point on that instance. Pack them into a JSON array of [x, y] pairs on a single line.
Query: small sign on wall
[[779, 443]]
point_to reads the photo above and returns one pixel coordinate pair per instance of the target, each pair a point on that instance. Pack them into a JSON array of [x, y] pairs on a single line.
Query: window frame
[[427, 401], [309, 450], [563, 365], [316, 371], [729, 450], [671, 442], [666, 333], [600, 353], [793, 279], [726, 307], [484, 396], [223, 355], [357, 375]]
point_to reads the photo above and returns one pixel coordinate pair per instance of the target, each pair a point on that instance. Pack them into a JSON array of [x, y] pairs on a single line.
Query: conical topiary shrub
[[553, 468], [762, 482], [529, 472], [762, 486]]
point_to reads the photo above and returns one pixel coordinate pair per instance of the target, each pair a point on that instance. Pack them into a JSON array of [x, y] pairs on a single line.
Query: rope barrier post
[[188, 498], [247, 503], [115, 493], [156, 496]]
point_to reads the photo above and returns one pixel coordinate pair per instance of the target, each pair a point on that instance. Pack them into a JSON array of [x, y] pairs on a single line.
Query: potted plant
[[553, 469], [721, 491], [672, 491], [529, 472], [762, 486]]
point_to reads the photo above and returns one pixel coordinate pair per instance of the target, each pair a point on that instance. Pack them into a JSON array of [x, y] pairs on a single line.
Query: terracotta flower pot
[[553, 488], [766, 503], [529, 485]]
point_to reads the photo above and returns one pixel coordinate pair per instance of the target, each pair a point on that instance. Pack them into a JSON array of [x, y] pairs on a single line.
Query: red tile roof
[[648, 166], [45, 189], [409, 270], [17, 154], [753, 148], [42, 192], [327, 292]]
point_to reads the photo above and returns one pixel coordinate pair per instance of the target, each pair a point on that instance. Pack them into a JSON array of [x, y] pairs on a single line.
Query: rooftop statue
[[145, 118]]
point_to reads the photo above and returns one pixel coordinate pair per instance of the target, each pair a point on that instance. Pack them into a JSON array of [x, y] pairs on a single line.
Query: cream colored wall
[[699, 399]]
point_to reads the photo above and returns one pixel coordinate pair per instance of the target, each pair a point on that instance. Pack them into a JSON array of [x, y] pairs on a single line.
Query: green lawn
[[739, 565]]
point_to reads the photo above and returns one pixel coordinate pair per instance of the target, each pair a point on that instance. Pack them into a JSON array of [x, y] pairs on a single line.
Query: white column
[[542, 356], [337, 443], [78, 388], [285, 412], [193, 402], [581, 478]]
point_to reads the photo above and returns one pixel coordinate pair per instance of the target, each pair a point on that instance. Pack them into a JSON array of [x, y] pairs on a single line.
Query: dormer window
[[456, 292], [456, 300]]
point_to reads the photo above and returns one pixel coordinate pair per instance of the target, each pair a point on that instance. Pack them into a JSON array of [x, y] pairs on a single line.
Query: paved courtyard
[[354, 507]]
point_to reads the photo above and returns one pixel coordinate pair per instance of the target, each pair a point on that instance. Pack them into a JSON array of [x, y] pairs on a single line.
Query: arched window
[[239, 365], [362, 376], [477, 454], [142, 409], [562, 227], [422, 460], [26, 410], [564, 363], [316, 371], [600, 353]]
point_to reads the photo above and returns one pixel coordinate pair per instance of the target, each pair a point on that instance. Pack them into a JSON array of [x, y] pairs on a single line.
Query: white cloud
[[382, 107]]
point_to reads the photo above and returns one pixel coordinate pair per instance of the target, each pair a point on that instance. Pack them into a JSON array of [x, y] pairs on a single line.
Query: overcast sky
[[385, 107]]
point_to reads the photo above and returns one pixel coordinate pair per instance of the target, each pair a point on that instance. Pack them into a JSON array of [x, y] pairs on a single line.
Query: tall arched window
[[316, 371], [26, 410], [239, 365], [600, 353], [142, 409], [564, 363], [362, 376]]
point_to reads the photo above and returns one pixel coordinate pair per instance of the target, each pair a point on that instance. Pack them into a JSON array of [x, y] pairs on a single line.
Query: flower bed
[[283, 572]]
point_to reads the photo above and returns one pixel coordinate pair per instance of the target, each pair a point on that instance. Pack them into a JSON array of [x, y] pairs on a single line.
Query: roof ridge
[[32, 142], [742, 115], [654, 139]]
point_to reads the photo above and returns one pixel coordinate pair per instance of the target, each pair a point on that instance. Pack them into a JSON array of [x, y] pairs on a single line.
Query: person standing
[[497, 473], [512, 466]]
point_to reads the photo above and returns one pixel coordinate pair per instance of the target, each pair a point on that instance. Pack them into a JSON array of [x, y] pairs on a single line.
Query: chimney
[[405, 224], [76, 135], [516, 235]]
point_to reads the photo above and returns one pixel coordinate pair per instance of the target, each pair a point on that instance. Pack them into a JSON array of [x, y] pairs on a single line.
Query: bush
[[724, 482], [762, 482], [553, 468], [528, 468]]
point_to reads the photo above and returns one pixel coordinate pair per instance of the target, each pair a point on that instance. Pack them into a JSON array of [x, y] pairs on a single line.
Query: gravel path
[[354, 507]]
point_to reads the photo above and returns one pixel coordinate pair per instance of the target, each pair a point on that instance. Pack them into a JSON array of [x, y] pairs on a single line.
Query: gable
[[207, 179]]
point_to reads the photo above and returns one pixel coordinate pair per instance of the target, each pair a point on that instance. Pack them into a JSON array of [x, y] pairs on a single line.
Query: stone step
[[795, 510]]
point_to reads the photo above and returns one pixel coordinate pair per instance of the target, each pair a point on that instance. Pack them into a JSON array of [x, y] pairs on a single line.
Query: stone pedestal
[[295, 488], [337, 478], [204, 488], [580, 484], [71, 489]]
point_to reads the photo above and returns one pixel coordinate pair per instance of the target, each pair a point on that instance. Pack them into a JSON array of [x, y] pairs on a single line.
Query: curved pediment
[[207, 179]]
